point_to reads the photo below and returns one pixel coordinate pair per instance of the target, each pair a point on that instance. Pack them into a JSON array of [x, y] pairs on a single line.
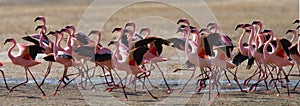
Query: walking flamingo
[[280, 62], [24, 59], [62, 58]]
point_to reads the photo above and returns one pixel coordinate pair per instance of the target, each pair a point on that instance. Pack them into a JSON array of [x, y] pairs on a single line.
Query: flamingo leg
[[44, 95], [188, 80], [47, 73], [61, 79], [154, 97], [123, 86], [162, 74], [4, 79], [26, 75]]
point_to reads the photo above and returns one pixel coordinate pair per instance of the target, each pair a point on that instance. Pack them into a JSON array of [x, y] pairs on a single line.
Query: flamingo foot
[[228, 84], [154, 97], [44, 96], [266, 91], [277, 94], [294, 89], [53, 94], [11, 90], [62, 87], [109, 89], [125, 99], [244, 91], [180, 91], [168, 91]]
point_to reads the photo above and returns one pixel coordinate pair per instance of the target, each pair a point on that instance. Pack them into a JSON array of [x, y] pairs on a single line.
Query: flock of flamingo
[[209, 49]]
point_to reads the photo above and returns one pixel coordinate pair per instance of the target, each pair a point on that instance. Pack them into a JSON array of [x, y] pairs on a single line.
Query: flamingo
[[1, 64], [129, 63], [295, 55], [153, 54], [63, 58], [280, 62], [25, 59], [193, 55]]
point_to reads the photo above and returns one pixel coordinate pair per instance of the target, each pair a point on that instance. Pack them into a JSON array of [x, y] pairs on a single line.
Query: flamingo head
[[256, 22], [111, 43], [41, 18], [298, 27], [204, 30], [246, 25], [290, 31], [117, 29], [66, 30], [296, 22], [10, 40], [238, 26], [54, 33], [267, 31], [129, 24], [212, 24], [145, 30], [71, 27], [94, 32], [180, 29], [183, 20]]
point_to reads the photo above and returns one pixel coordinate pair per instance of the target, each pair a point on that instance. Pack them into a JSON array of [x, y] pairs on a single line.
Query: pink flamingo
[[153, 54], [295, 54], [129, 63], [62, 58], [24, 59], [1, 64], [274, 59]]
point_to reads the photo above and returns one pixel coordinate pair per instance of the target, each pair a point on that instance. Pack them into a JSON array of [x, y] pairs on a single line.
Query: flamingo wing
[[178, 43], [101, 57], [87, 51], [49, 57], [138, 54], [34, 50], [64, 55]]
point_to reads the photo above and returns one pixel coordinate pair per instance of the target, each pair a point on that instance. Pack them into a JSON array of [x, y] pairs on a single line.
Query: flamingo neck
[[10, 49], [298, 46], [259, 28], [98, 41], [294, 35], [59, 40], [186, 34], [250, 40], [55, 47], [265, 52], [69, 41], [241, 47]]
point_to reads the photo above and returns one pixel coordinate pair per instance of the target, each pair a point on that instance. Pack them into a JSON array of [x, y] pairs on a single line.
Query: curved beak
[[93, 32], [7, 40], [110, 43], [296, 21], [238, 26]]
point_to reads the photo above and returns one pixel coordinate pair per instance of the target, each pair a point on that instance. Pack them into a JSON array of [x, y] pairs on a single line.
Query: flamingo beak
[[209, 24], [255, 22], [298, 27], [288, 31], [296, 21], [39, 27], [93, 32], [116, 29], [181, 20], [238, 26], [7, 40], [37, 18], [110, 43]]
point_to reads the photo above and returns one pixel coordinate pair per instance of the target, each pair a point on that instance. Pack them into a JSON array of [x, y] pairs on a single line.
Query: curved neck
[[59, 40], [298, 47], [69, 40], [186, 48], [98, 41], [55, 47], [259, 28], [241, 47], [267, 44], [41, 40], [294, 35], [10, 49]]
